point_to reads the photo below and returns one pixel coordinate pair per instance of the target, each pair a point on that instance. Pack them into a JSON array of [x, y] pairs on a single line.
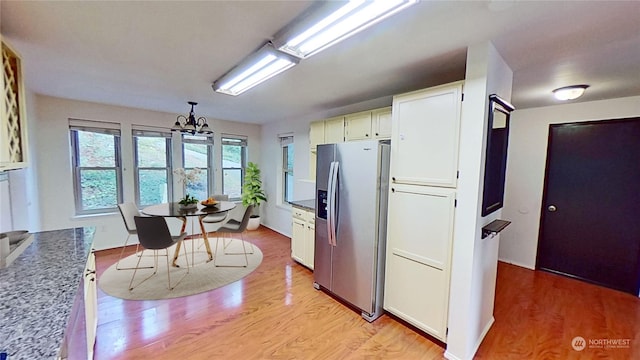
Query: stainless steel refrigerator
[[352, 182]]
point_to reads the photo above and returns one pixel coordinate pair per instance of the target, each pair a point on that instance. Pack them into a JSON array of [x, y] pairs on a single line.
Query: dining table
[[175, 210]]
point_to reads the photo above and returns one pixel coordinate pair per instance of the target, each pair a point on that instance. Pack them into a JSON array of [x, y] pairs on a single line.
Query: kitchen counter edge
[[38, 291]]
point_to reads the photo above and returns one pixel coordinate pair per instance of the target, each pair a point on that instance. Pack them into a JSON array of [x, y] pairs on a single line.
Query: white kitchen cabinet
[[297, 238], [358, 126], [418, 262], [316, 134], [381, 123], [334, 130], [425, 136], [303, 237], [13, 124], [80, 335], [91, 303]]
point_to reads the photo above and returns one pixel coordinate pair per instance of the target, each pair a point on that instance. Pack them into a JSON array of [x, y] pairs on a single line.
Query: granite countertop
[[305, 204], [37, 293]]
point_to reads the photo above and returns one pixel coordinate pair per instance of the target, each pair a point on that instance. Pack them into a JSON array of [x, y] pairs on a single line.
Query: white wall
[[528, 135], [275, 214], [53, 202], [474, 260]]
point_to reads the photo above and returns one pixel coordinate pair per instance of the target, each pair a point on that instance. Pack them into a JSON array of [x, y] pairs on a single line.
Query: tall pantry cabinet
[[424, 169]]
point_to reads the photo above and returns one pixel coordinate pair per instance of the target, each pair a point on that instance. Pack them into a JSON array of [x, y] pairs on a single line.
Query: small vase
[[188, 206]]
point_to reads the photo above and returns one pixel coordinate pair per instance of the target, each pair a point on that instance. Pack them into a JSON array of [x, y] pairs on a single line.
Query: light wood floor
[[275, 313]]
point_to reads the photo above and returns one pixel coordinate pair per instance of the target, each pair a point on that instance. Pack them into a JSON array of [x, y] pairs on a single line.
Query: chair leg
[[237, 253], [122, 253], [155, 270], [186, 257], [224, 245]]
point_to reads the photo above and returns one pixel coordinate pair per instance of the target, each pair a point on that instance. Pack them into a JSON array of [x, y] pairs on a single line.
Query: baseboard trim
[[516, 263]]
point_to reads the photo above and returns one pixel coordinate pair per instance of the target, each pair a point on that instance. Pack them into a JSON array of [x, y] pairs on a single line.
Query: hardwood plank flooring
[[275, 313]]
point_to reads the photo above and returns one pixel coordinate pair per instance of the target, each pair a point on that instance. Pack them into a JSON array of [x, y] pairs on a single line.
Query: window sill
[[91, 216], [286, 207]]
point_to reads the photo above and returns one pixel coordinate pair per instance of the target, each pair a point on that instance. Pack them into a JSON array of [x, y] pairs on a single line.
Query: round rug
[[202, 276]]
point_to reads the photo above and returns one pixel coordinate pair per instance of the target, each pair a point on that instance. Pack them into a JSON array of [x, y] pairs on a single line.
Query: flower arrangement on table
[[187, 177]]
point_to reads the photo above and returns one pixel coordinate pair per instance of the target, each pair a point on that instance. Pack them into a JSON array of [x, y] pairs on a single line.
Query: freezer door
[[322, 255], [354, 256]]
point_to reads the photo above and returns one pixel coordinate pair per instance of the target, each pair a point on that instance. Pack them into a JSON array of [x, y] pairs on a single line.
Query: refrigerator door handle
[[332, 195], [329, 202]]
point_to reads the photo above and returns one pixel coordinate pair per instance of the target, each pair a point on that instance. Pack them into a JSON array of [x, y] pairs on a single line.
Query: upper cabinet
[[374, 124], [371, 124], [358, 126], [334, 130], [13, 125], [426, 126], [381, 123], [316, 134]]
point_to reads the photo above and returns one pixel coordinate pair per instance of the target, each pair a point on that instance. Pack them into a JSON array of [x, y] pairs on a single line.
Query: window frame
[[157, 133], [234, 140], [285, 142], [210, 156], [108, 129]]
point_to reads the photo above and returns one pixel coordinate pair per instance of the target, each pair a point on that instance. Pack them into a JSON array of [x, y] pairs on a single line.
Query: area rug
[[203, 275]]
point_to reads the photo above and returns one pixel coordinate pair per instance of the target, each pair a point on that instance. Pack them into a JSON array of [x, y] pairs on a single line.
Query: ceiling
[[158, 55]]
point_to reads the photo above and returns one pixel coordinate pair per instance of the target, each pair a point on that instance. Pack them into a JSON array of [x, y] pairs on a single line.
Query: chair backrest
[[245, 219], [220, 197], [153, 232], [128, 210]]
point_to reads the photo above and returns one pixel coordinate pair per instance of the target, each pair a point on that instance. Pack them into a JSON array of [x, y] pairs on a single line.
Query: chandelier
[[191, 124]]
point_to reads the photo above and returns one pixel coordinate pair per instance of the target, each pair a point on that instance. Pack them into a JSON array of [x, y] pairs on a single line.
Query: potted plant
[[253, 194], [187, 178]]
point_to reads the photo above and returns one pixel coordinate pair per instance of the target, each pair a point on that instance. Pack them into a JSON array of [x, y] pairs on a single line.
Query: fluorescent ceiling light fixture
[[330, 22], [253, 70], [569, 92]]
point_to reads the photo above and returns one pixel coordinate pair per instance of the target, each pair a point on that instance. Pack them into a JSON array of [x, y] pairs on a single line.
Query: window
[[234, 160], [152, 166], [197, 152], [97, 171], [287, 168]]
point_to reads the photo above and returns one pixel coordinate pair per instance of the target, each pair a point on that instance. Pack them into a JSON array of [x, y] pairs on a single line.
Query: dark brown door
[[590, 223]]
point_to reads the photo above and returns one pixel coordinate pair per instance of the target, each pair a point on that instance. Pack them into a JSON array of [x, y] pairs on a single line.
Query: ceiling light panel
[[569, 92], [258, 67], [328, 23]]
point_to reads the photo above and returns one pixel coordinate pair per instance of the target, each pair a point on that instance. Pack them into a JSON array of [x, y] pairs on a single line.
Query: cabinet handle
[[367, 135], [377, 134], [393, 190], [393, 178]]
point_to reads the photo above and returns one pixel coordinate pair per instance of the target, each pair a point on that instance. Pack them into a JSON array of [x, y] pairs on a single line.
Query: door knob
[[552, 208]]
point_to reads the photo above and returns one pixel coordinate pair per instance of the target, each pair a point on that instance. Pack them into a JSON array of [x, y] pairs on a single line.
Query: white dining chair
[[128, 211]]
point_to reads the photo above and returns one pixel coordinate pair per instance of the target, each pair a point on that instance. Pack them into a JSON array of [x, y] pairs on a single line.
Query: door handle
[[552, 208]]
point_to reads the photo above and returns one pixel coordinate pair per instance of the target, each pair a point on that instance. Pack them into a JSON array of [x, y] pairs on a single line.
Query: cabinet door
[[91, 302], [418, 261], [310, 245], [316, 134], [297, 240], [334, 130], [381, 123], [358, 126], [425, 133], [313, 161], [13, 124]]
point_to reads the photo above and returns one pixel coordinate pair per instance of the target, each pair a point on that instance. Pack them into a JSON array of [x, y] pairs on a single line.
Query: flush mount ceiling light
[[190, 124], [253, 70], [569, 92], [330, 22]]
